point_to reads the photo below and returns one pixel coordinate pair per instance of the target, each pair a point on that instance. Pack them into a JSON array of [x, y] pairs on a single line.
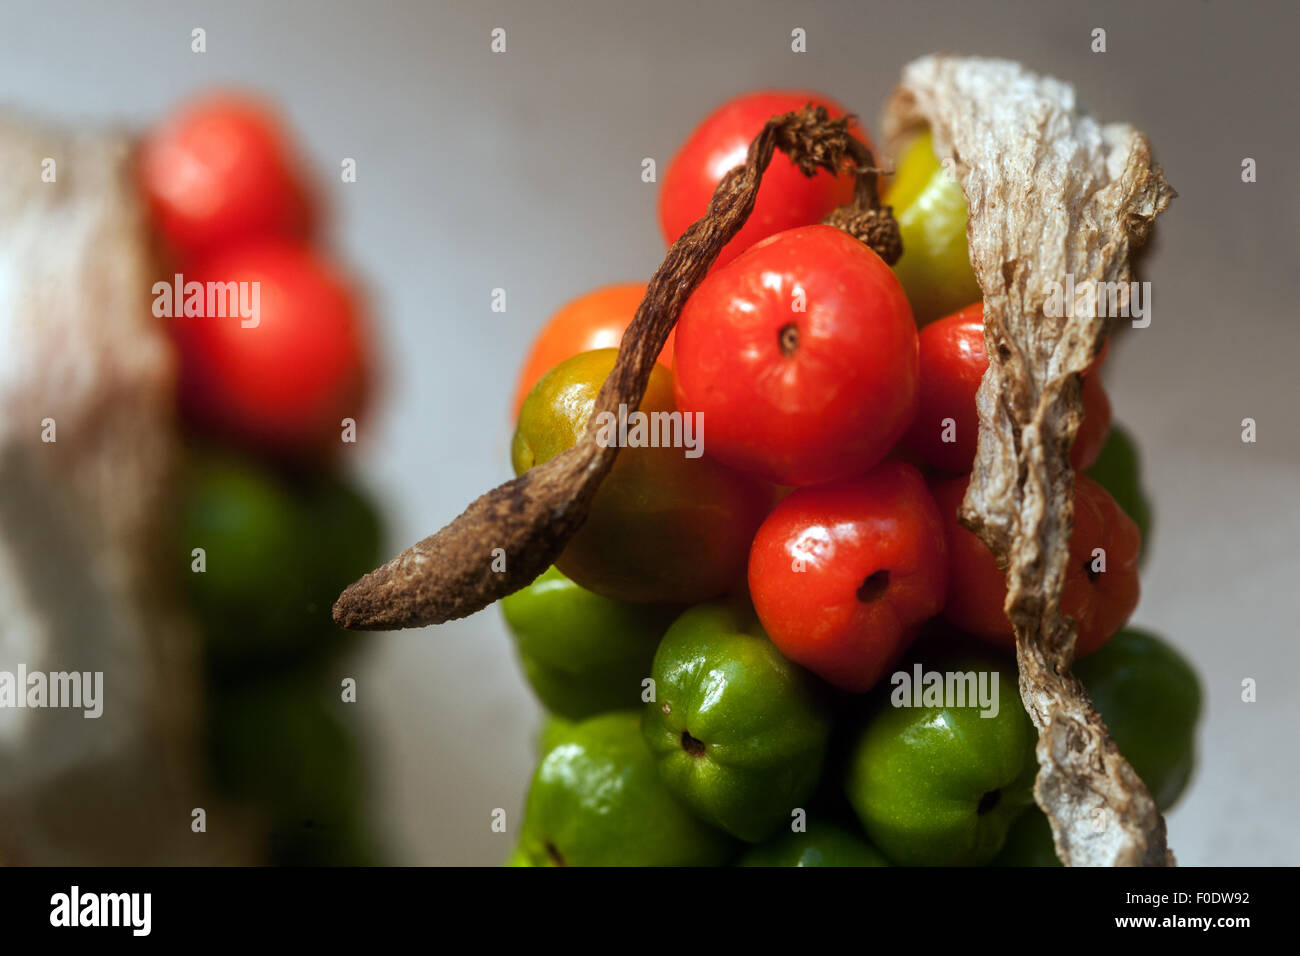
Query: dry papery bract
[[1051, 194]]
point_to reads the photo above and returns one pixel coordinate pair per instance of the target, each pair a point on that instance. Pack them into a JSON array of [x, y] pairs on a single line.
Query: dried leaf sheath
[[527, 521], [1051, 194]]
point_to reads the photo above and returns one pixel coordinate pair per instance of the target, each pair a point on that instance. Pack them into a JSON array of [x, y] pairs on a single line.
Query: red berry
[[593, 321], [802, 356], [286, 383], [1099, 601], [786, 199], [219, 171], [953, 361], [842, 575], [1094, 428]]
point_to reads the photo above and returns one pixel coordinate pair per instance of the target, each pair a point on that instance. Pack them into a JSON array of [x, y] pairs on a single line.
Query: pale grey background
[[522, 171]]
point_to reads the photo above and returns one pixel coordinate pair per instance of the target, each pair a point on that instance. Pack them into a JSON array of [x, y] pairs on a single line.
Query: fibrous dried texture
[[1051, 195], [87, 571], [510, 535]]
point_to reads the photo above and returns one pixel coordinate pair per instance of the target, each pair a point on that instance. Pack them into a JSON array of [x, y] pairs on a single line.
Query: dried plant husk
[[88, 570], [1051, 194]]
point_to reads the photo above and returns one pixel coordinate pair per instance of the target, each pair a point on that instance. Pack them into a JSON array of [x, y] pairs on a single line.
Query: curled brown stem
[[510, 535]]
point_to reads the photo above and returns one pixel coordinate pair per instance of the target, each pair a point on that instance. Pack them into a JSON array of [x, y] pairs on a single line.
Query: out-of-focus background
[[522, 171]]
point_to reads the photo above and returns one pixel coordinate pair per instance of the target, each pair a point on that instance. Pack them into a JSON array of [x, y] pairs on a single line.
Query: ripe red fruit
[[593, 321], [843, 575], [219, 171], [953, 361], [786, 199], [286, 383], [802, 356], [1099, 601], [1094, 428]]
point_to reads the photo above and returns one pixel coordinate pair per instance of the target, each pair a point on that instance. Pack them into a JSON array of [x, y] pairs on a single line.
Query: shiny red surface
[[817, 549], [833, 407], [1099, 603], [786, 199]]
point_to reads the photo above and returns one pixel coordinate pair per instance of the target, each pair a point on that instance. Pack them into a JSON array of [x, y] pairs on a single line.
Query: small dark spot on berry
[[788, 339], [874, 587]]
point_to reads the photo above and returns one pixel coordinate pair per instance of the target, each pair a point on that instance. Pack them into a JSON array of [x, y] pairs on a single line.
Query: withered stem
[[510, 535]]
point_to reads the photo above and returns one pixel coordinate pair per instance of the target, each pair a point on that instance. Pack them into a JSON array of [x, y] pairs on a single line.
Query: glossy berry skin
[[842, 575], [1099, 602], [285, 384], [1028, 843], [1095, 427], [822, 844], [786, 199], [802, 356], [596, 320], [220, 171], [582, 653], [952, 364], [596, 800], [941, 785], [930, 208], [953, 361], [1150, 698], [663, 528], [738, 732], [1118, 469]]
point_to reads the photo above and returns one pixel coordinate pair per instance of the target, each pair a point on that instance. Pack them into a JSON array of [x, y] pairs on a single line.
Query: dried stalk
[[1051, 194], [510, 535]]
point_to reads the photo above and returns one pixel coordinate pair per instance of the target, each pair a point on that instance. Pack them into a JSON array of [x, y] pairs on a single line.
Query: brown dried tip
[[510, 535], [876, 227], [444, 577]]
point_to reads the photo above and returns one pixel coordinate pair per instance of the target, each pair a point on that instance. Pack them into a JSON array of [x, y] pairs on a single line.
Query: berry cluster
[[797, 613], [273, 372]]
